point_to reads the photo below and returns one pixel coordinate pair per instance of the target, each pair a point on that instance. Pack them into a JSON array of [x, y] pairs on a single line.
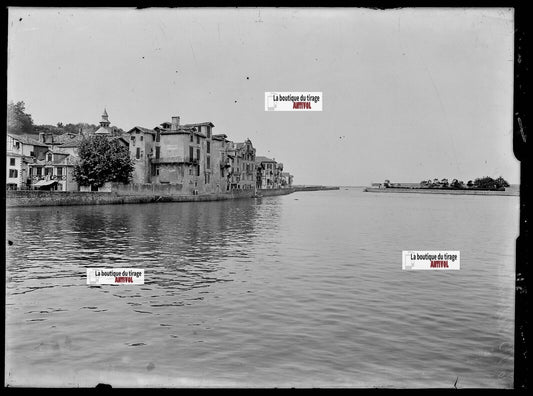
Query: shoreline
[[36, 198], [442, 191]]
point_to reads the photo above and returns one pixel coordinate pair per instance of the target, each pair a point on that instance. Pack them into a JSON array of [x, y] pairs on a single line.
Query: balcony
[[35, 179], [171, 160]]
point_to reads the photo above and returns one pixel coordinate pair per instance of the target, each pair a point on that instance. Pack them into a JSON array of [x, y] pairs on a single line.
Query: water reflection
[[180, 245]]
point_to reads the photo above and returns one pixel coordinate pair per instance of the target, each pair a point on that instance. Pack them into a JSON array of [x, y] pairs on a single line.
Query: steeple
[[105, 121], [104, 125]]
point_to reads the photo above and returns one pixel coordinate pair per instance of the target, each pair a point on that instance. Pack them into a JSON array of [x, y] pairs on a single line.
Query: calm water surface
[[299, 290]]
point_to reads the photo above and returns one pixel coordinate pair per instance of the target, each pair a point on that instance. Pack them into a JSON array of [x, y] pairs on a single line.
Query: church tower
[[104, 125]]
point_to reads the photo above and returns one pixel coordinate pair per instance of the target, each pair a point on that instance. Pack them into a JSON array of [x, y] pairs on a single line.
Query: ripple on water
[[272, 291]]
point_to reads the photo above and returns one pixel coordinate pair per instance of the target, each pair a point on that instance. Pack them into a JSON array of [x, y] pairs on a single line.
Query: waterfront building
[[207, 182], [266, 172], [244, 165], [222, 162], [188, 157], [176, 154], [234, 176], [21, 151], [278, 171], [141, 147], [53, 172], [286, 180]]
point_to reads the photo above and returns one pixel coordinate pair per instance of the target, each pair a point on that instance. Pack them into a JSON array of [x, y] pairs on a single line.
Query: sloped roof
[[120, 137], [27, 140], [198, 124], [259, 159], [142, 129], [103, 131], [220, 136], [73, 142]]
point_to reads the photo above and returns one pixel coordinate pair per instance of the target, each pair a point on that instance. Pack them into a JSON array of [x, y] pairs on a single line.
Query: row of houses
[[188, 155]]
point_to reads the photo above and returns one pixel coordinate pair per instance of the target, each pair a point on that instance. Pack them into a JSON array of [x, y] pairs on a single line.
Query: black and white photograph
[[175, 220]]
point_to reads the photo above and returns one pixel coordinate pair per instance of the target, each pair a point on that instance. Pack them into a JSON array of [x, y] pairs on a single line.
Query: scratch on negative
[[193, 55]]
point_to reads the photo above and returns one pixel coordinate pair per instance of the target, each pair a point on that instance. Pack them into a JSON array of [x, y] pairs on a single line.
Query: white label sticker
[[431, 260], [115, 276], [293, 101]]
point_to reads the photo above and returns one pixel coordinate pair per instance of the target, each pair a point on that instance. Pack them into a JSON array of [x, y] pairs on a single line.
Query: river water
[[303, 290]]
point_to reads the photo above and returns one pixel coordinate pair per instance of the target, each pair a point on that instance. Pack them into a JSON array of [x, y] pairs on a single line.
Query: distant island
[[484, 183], [480, 186]]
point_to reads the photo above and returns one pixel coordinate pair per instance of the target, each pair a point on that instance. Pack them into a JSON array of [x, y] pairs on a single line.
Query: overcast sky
[[409, 94]]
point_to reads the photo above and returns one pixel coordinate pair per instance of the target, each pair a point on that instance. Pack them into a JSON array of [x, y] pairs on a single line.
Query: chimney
[[175, 123]]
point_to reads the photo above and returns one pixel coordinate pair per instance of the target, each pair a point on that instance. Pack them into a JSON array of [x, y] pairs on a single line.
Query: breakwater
[[441, 191], [313, 188]]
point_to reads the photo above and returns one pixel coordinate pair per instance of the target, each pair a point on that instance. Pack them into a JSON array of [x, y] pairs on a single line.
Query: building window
[[39, 172], [208, 147], [192, 138], [12, 161], [191, 153], [197, 139], [208, 162], [142, 138], [48, 171], [13, 173], [157, 151], [17, 145], [31, 171], [138, 154], [209, 132], [49, 157], [59, 172], [198, 170], [157, 136], [32, 154], [198, 154]]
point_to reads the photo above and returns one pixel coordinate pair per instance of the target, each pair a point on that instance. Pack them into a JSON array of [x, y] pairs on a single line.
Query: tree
[[486, 182], [18, 121], [102, 160], [501, 182]]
